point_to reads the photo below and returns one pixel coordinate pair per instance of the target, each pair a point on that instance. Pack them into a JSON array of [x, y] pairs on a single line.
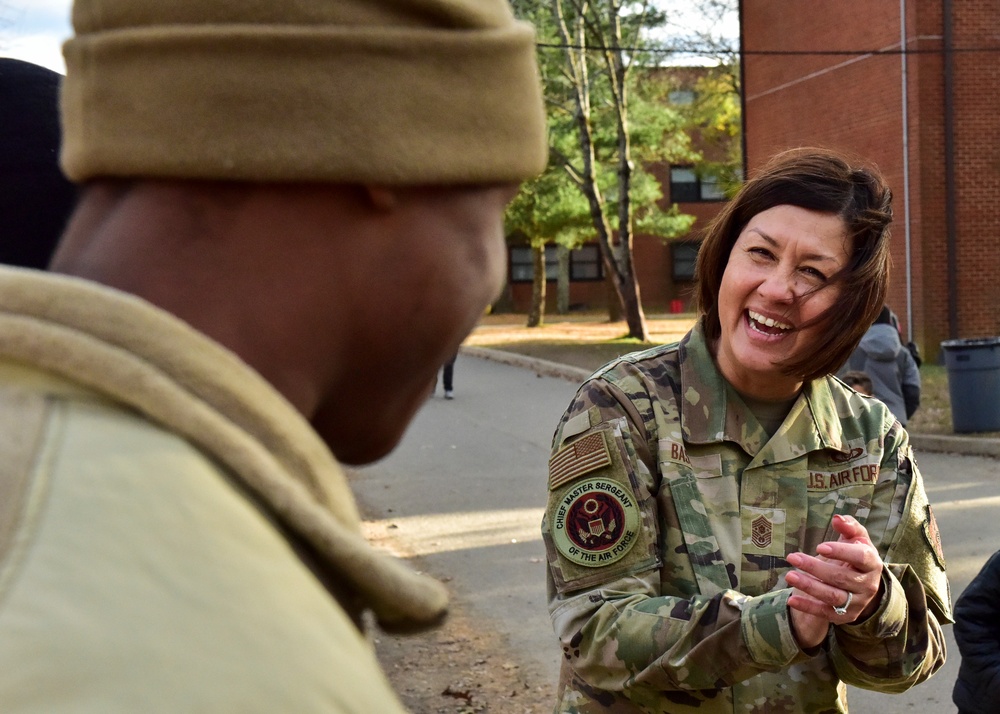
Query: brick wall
[[927, 175], [977, 155], [854, 103]]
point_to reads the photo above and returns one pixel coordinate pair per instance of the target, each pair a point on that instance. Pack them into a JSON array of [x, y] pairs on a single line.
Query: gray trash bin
[[974, 383]]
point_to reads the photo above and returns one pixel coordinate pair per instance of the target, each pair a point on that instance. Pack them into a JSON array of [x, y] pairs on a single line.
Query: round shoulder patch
[[595, 523]]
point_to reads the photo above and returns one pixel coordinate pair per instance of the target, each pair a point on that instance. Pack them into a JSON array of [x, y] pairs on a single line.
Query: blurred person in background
[[858, 381], [890, 365], [448, 377]]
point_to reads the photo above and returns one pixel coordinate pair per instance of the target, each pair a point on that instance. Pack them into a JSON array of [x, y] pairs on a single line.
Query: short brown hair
[[823, 181]]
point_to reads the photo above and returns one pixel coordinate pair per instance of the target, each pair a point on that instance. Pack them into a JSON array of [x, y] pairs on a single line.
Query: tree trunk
[[562, 282], [619, 267], [631, 300], [614, 299], [629, 285], [634, 315], [537, 313]]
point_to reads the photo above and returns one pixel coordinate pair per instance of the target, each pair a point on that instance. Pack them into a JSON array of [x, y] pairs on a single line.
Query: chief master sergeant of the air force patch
[[593, 515]]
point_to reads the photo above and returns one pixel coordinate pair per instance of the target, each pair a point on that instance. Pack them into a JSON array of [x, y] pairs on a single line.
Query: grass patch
[[585, 341], [934, 414]]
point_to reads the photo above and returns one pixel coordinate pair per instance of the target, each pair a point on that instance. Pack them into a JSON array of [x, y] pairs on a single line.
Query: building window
[[683, 257], [683, 184], [520, 265], [710, 189], [687, 187], [681, 97], [584, 264]]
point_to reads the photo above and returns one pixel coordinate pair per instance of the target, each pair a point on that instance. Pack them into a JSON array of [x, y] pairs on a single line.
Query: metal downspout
[[904, 46], [743, 95], [949, 170]]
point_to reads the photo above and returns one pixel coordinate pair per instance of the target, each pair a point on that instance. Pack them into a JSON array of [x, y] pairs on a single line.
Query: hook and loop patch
[[596, 522]]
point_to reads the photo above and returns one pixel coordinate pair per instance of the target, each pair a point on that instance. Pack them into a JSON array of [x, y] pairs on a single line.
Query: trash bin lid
[[971, 342]]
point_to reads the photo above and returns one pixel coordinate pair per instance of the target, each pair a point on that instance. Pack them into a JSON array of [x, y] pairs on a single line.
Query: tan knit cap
[[384, 91]]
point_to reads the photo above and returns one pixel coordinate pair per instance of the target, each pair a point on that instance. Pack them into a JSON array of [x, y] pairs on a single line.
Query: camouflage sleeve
[[902, 643], [618, 632]]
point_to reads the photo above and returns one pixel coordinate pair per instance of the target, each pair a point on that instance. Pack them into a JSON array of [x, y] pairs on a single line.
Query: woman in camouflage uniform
[[729, 528]]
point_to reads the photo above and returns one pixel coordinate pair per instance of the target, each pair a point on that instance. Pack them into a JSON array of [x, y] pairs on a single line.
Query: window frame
[[676, 247], [522, 267], [699, 190], [577, 261]]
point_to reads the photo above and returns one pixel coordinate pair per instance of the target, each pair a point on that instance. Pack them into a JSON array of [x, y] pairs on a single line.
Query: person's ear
[[382, 198]]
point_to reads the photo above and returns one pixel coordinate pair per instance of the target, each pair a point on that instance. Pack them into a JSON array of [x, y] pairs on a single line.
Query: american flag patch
[[578, 458]]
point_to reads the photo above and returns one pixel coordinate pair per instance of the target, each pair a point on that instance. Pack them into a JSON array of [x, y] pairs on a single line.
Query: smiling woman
[[729, 528], [839, 208], [775, 291]]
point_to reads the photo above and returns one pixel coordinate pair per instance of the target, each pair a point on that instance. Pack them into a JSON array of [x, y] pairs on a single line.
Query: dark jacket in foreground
[[977, 632]]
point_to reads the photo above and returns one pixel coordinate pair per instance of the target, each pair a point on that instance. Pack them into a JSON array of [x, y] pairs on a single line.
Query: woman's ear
[[382, 198]]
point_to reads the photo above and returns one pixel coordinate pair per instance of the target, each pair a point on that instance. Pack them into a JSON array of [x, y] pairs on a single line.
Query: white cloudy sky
[[34, 30]]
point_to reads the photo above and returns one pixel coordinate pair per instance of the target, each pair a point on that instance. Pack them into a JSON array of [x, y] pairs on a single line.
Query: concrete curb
[[964, 445], [540, 367]]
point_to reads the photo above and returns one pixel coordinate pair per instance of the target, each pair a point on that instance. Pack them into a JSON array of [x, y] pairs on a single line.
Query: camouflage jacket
[[670, 515]]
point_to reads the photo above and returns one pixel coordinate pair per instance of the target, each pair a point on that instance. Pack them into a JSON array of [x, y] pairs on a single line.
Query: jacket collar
[[133, 353], [712, 411]]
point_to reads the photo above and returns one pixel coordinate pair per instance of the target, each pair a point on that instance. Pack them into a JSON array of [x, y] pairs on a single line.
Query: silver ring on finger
[[842, 610]]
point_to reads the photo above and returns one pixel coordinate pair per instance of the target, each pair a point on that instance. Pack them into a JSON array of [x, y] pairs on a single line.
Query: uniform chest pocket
[[696, 502]]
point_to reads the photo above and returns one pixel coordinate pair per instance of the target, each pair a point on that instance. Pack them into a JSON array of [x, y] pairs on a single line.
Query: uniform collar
[[712, 412]]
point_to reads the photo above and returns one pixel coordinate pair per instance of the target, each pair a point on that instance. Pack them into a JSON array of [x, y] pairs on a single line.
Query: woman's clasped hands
[[839, 585]]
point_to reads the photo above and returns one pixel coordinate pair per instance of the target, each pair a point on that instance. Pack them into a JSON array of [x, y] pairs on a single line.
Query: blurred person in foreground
[[729, 528], [277, 198], [35, 198]]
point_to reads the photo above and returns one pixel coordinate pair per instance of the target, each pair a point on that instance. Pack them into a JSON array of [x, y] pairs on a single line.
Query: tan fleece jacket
[[135, 354]]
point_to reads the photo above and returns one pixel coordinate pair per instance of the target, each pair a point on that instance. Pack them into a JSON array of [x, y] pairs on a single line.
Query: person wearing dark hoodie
[[893, 371]]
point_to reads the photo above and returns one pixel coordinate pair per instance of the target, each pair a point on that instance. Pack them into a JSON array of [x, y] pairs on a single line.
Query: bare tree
[[584, 26]]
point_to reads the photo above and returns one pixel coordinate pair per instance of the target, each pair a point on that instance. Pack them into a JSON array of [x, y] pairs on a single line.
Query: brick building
[[665, 270], [832, 74]]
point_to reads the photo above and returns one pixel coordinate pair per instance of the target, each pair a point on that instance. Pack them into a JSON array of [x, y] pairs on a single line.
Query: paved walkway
[[463, 497]]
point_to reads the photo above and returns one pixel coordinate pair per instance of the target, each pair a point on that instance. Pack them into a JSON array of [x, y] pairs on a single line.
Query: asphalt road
[[463, 494]]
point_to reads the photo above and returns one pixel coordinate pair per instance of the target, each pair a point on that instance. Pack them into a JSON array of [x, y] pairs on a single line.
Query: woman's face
[[778, 278]]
